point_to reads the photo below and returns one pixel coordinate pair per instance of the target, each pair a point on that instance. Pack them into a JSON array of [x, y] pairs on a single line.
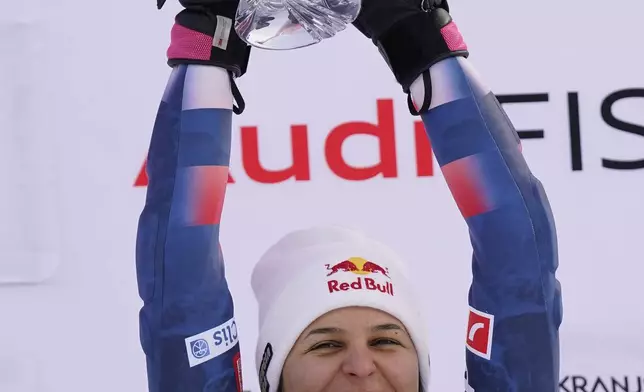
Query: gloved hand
[[193, 36], [412, 35], [203, 33]]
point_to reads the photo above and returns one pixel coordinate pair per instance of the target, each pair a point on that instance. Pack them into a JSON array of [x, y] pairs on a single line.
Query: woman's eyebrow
[[332, 330], [324, 331], [387, 327]]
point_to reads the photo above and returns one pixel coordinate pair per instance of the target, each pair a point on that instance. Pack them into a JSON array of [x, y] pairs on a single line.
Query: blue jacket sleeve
[[187, 326], [515, 303]]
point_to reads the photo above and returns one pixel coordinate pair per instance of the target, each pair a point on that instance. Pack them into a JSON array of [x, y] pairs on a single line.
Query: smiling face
[[352, 349]]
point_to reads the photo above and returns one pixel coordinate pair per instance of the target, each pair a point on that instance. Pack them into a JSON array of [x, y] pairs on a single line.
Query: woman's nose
[[359, 362]]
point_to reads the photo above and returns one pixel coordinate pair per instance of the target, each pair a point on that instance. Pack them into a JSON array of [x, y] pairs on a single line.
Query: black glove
[[412, 35], [193, 42]]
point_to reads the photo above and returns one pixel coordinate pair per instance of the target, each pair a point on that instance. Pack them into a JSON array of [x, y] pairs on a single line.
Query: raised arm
[[188, 330], [187, 325], [514, 298], [515, 303]]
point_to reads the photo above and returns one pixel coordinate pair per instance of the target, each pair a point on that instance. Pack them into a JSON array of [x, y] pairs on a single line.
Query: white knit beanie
[[313, 271]]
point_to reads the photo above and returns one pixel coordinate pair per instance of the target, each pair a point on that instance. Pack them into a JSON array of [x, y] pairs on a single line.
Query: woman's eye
[[385, 341], [326, 345]]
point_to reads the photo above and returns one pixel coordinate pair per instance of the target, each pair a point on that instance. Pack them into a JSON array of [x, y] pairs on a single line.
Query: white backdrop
[[84, 84]]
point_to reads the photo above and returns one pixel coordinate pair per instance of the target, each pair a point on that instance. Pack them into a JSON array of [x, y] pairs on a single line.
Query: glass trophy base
[[292, 24]]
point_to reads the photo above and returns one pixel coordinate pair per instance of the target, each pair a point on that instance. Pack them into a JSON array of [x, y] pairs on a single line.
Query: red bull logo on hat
[[362, 268], [358, 266]]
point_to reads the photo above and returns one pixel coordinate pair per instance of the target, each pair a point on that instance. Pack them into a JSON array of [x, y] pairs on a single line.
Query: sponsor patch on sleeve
[[480, 328], [212, 343]]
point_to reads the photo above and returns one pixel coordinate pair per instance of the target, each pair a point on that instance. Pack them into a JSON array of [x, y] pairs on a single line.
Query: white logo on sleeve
[[212, 343]]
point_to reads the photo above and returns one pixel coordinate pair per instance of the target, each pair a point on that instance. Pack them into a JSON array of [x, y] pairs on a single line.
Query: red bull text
[[361, 284], [359, 266]]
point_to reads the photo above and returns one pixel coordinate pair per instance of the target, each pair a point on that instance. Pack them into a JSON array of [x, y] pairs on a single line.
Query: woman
[[336, 312]]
